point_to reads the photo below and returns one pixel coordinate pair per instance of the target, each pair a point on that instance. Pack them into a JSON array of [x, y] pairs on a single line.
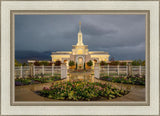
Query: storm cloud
[[123, 36]]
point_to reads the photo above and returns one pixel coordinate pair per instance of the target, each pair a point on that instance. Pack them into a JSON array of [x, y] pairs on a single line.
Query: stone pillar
[[129, 69], [140, 70], [21, 71], [63, 71], [108, 69], [118, 70], [52, 70], [97, 70], [31, 70]]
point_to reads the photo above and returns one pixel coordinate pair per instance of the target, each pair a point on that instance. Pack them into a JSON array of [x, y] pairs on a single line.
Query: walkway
[[27, 93]]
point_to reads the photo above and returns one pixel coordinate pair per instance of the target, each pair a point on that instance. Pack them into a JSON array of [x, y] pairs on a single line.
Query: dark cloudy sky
[[123, 36]]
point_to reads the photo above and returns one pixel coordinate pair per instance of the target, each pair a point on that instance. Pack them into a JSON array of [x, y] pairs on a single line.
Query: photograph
[[73, 57], [80, 58]]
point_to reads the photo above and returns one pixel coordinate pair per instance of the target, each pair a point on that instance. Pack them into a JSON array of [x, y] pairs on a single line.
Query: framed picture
[[80, 57]]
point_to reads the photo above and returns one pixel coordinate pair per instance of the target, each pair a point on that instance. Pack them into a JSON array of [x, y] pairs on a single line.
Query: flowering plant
[[81, 91], [136, 79], [37, 80]]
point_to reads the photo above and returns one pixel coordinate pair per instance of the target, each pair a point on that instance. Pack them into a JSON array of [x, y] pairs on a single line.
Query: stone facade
[[80, 54]]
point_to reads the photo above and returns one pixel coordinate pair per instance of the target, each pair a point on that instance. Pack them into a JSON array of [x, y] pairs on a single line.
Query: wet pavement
[[27, 92]]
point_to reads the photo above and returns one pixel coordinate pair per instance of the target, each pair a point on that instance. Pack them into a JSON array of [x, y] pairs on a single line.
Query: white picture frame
[[8, 6]]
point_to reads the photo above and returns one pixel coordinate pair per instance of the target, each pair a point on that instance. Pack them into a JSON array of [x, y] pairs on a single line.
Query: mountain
[[24, 56]]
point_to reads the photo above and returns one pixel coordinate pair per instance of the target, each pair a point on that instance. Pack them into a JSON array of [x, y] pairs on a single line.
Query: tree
[[138, 62], [50, 64], [114, 63], [36, 63], [123, 63], [71, 63], [102, 63], [143, 63], [45, 63], [24, 64], [17, 63], [57, 63], [90, 63]]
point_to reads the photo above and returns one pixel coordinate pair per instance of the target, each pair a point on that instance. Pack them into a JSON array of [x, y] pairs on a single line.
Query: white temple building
[[80, 53]]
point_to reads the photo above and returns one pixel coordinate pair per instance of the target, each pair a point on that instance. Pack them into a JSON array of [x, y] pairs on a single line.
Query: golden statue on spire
[[79, 26]]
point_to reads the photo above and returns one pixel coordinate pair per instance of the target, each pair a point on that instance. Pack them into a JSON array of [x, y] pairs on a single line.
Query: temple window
[[80, 51]]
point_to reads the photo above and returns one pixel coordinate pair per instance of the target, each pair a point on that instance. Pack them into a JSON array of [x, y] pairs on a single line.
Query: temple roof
[[62, 53], [98, 52]]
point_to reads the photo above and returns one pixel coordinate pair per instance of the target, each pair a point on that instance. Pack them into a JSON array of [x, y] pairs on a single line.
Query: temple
[[80, 54]]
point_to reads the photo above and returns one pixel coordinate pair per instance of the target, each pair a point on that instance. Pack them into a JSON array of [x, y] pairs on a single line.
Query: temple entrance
[[80, 63]]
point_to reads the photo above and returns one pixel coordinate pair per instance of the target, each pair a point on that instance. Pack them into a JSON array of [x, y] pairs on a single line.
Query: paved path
[[27, 92]]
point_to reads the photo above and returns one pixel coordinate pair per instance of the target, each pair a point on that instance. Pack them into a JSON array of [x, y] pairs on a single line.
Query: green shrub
[[136, 80], [45, 63], [17, 63], [138, 62], [27, 81], [22, 81], [71, 63], [102, 63], [36, 63], [122, 63], [114, 63], [57, 63], [90, 63]]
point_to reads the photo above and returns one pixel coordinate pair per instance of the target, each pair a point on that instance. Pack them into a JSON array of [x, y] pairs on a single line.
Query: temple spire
[[79, 26], [80, 39]]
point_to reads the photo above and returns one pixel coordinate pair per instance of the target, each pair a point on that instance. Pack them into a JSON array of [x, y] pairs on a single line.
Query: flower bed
[[28, 81], [22, 81], [81, 91], [135, 80]]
